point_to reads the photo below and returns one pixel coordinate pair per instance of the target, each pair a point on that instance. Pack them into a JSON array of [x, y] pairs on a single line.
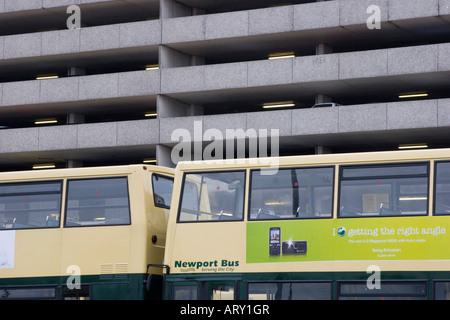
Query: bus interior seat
[[51, 222], [265, 214], [226, 217], [16, 225], [389, 212], [353, 212]]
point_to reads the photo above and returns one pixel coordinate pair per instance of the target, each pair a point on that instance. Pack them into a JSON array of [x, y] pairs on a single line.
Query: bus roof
[[317, 159], [82, 171]]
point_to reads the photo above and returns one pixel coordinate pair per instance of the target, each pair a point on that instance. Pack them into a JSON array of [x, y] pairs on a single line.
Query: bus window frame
[[434, 188], [333, 192], [191, 284], [165, 206], [180, 197], [97, 225], [28, 288], [426, 163], [328, 282], [379, 295], [436, 282], [61, 192]]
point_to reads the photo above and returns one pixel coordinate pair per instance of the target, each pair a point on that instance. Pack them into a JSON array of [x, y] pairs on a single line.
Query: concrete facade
[[214, 73]]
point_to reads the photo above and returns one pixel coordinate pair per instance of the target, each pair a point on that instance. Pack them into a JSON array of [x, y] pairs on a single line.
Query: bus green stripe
[[99, 287]]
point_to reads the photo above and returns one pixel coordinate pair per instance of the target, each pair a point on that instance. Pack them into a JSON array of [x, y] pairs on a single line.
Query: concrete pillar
[[322, 98], [170, 58], [74, 164], [323, 48], [163, 156], [322, 150], [173, 9], [73, 118], [168, 107], [75, 71], [197, 61], [198, 11]]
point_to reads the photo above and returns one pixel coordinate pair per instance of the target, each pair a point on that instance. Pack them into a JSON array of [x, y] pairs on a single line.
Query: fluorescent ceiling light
[[413, 146], [276, 203], [413, 95], [282, 55], [47, 77], [48, 121], [412, 198], [44, 166], [151, 114], [152, 67], [283, 104]]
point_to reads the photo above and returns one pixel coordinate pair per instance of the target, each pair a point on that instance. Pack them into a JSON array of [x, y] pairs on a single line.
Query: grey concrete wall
[[409, 9], [24, 5], [80, 136], [352, 119], [82, 88], [186, 28], [374, 65], [350, 10], [327, 14], [297, 122], [111, 37], [444, 8], [319, 15], [343, 66]]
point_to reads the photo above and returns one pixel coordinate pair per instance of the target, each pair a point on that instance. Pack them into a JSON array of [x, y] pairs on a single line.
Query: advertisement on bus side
[[406, 238]]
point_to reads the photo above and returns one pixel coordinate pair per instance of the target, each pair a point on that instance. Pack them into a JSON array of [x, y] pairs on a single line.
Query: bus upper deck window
[[295, 193], [162, 190], [442, 188], [212, 196], [99, 201], [383, 190], [29, 205]]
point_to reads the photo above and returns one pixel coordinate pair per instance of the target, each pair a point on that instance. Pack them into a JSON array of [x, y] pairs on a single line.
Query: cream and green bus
[[334, 226], [83, 233]]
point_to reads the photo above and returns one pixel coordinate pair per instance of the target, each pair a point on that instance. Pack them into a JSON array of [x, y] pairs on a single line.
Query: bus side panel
[[103, 251], [30, 253]]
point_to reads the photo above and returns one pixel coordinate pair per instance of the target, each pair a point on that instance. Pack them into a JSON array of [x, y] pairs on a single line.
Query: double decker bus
[[335, 226], [83, 233]]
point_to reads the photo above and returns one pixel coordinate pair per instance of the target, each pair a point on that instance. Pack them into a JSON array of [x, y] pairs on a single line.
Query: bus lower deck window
[[290, 291]]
